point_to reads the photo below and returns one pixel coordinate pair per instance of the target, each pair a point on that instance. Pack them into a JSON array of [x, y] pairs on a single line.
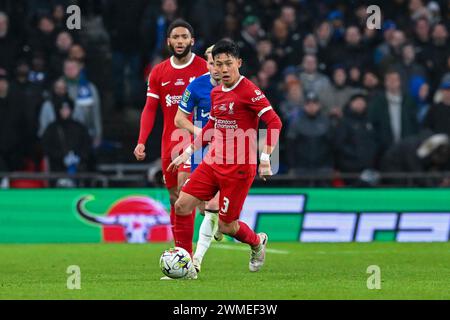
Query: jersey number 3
[[226, 203]]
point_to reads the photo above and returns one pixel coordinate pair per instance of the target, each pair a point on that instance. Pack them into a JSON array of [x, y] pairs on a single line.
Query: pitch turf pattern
[[292, 271]]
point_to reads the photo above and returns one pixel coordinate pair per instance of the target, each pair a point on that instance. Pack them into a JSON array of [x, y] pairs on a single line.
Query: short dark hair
[[391, 70], [226, 46], [180, 23]]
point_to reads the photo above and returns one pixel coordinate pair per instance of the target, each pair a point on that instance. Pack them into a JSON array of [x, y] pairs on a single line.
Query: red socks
[[184, 231], [172, 220], [246, 235]]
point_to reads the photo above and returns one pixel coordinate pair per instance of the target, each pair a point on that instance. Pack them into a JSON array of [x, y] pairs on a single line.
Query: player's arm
[[274, 125], [200, 141], [185, 109], [148, 116], [183, 121]]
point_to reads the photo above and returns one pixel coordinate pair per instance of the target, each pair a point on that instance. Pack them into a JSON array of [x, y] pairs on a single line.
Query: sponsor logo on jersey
[[180, 82], [163, 84], [172, 100], [226, 124], [259, 96]]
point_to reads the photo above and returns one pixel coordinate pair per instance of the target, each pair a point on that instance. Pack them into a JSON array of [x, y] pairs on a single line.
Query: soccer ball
[[175, 262]]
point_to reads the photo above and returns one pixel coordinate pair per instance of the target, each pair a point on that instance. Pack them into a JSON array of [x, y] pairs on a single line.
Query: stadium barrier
[[142, 175], [286, 214]]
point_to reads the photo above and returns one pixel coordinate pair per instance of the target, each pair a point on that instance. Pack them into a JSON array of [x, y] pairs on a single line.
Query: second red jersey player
[[166, 84]]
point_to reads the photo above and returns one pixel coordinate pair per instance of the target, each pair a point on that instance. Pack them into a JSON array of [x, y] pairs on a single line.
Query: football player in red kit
[[166, 84], [230, 164]]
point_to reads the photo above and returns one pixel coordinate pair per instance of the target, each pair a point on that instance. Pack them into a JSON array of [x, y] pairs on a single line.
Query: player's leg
[[214, 205], [200, 187], [208, 229], [231, 202], [171, 183]]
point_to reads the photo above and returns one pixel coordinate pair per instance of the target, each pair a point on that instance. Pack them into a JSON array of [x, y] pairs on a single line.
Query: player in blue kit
[[196, 103]]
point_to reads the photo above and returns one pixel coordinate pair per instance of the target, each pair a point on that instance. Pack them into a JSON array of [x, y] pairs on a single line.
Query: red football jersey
[[167, 82], [236, 113]]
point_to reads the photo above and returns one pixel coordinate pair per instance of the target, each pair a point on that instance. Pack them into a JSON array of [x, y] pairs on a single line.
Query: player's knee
[[182, 208], [213, 205]]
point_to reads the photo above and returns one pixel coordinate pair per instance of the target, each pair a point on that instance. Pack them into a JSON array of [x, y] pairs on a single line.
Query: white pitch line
[[231, 247]]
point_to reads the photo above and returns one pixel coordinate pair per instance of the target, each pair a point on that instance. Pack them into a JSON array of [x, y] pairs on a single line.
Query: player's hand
[[264, 170], [139, 152], [173, 166]]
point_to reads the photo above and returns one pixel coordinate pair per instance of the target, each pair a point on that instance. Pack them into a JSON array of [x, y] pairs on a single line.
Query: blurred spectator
[[77, 52], [395, 51], [292, 106], [421, 35], [336, 19], [286, 50], [231, 27], [87, 101], [338, 94], [408, 67], [310, 45], [38, 72], [418, 10], [155, 23], [248, 40], [355, 138], [392, 113], [59, 16], [420, 92], [29, 95], [384, 48], [8, 44], [437, 53], [323, 35], [311, 78], [123, 21], [352, 50], [11, 127], [288, 15], [265, 50], [355, 76], [206, 29], [371, 83], [66, 142], [269, 71], [435, 12], [438, 117], [310, 136], [42, 38], [425, 152], [64, 42], [47, 114]]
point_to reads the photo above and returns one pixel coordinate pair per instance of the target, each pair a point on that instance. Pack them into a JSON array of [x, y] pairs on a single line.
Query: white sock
[[207, 230]]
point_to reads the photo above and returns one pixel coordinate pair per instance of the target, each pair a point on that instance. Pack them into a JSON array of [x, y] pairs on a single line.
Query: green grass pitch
[[292, 271]]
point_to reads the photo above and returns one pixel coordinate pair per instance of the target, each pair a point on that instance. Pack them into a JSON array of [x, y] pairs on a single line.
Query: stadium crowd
[[351, 98]]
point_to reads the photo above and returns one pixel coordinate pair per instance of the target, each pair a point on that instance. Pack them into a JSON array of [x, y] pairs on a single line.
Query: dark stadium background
[[120, 41]]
